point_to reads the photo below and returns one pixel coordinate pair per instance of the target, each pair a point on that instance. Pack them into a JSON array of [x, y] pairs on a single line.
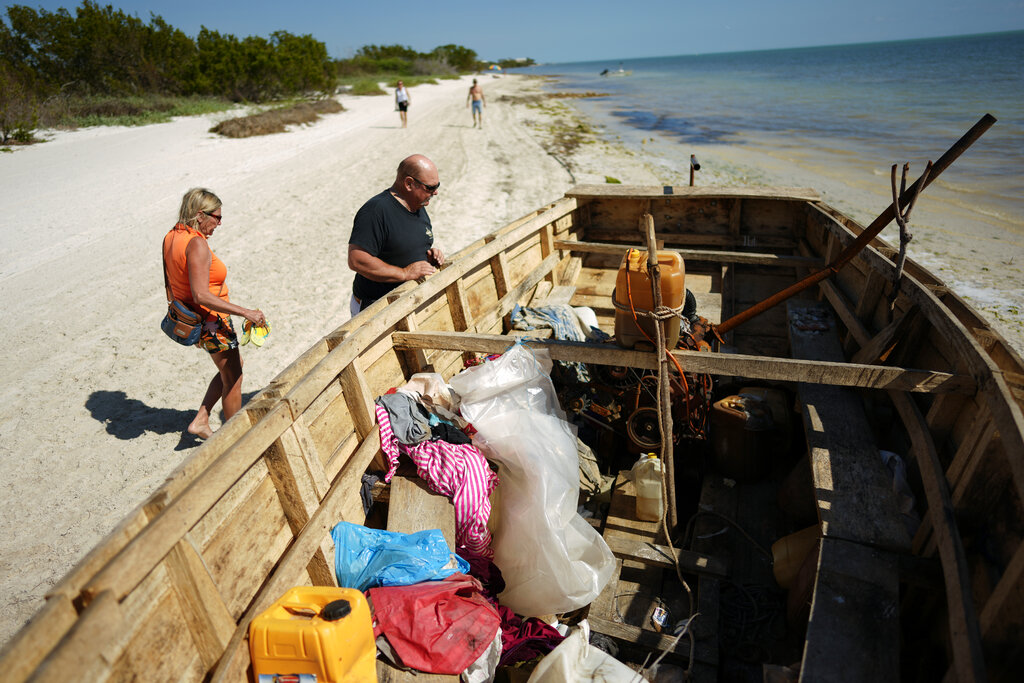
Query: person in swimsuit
[[476, 96], [197, 279], [402, 101]]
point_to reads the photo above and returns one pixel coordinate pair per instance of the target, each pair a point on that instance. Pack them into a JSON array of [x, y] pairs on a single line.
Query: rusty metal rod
[[944, 162]]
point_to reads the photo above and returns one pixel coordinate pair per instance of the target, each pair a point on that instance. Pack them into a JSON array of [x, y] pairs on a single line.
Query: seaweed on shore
[[540, 97], [276, 120]]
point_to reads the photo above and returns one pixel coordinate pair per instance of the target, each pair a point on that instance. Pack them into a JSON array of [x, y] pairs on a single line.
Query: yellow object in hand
[[256, 334]]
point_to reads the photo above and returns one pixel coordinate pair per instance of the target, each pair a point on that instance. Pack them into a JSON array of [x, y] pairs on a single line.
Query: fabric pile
[[438, 609]]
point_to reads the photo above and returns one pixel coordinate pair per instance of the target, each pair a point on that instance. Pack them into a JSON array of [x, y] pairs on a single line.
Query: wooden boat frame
[[248, 514]]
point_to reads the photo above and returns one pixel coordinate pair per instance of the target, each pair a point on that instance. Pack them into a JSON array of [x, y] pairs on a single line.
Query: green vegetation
[[398, 61], [276, 120], [103, 66], [612, 181]]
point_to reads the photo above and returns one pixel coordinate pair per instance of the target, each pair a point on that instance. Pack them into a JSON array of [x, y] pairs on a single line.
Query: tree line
[[102, 51]]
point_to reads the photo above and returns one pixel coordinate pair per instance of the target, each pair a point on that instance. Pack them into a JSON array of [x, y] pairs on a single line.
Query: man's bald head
[[416, 181], [415, 165]]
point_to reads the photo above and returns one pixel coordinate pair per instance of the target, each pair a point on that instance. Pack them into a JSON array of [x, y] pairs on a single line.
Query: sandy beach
[[96, 398]]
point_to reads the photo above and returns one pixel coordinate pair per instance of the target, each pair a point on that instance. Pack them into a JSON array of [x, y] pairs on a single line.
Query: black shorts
[[403, 106]]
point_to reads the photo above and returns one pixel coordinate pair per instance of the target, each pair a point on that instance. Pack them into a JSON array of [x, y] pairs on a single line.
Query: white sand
[[95, 398]]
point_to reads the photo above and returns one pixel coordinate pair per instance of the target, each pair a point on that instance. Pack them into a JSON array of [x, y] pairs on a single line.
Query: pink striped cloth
[[458, 471]]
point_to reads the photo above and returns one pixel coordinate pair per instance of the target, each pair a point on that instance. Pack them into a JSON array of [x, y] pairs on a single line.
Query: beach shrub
[[18, 109], [276, 120], [89, 110], [612, 181], [366, 86]]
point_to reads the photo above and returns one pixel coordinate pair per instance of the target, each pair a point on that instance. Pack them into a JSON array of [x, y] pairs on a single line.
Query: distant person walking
[[392, 240], [402, 100], [197, 279], [476, 97]]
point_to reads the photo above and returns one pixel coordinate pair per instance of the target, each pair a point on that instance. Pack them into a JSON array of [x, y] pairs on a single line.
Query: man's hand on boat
[[414, 271]]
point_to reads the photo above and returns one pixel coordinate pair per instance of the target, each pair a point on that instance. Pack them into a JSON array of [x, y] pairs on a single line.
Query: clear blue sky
[[578, 30]]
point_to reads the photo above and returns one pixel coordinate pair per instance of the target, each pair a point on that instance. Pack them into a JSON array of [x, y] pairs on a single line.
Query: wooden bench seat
[[413, 507], [854, 607]]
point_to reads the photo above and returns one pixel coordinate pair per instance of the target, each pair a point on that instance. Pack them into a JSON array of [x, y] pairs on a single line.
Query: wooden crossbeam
[[661, 556], [753, 367], [712, 256]]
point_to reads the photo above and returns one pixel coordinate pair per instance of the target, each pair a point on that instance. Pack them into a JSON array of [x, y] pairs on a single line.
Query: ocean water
[[860, 108]]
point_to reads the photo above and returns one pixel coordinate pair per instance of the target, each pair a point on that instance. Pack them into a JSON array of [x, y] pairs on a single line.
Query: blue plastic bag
[[367, 558]]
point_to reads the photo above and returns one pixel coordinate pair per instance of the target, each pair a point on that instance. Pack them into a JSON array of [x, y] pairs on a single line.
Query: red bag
[[438, 627]]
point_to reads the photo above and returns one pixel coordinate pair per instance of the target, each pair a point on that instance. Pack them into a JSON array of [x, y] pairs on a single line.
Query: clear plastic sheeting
[[552, 560]]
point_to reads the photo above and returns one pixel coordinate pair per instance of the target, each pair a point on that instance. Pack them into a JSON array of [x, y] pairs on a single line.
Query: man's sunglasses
[[428, 188], [213, 215]]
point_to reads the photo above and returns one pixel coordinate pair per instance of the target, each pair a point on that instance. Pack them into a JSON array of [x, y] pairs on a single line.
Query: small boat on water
[[861, 445], [617, 72]]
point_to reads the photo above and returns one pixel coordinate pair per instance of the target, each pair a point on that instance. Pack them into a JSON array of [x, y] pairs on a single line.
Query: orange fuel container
[[317, 630], [634, 282]]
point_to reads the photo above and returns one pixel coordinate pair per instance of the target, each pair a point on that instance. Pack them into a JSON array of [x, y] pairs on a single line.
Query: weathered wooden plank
[[882, 343], [79, 657], [20, 655], [964, 630], [153, 543], [331, 511], [359, 399], [517, 293], [740, 365], [652, 640], [287, 465], [709, 191], [704, 255], [853, 633], [547, 247], [847, 470], [413, 507], [559, 295], [661, 556], [208, 618]]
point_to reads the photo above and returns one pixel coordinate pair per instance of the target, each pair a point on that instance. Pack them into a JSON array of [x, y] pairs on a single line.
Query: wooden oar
[[944, 162]]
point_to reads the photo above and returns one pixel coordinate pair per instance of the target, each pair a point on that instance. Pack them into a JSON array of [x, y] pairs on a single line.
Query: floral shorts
[[218, 335]]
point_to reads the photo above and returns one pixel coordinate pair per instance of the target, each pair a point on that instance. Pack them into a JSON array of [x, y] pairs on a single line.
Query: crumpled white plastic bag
[[575, 660], [551, 559]]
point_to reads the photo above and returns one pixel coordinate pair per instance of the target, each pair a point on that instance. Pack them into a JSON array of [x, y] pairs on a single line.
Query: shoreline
[[978, 253]]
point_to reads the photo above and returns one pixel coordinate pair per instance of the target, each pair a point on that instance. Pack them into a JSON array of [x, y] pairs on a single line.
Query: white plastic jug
[[647, 479]]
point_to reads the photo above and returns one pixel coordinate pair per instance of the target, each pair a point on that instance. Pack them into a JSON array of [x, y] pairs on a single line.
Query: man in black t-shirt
[[391, 240]]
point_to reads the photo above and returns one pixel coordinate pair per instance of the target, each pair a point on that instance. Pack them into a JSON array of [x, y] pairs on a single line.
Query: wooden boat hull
[[170, 593]]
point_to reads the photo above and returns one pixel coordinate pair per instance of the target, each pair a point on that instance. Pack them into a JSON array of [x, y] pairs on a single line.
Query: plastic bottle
[[647, 479]]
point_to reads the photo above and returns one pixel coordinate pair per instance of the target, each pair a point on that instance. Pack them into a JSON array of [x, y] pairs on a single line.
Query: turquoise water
[[860, 106]]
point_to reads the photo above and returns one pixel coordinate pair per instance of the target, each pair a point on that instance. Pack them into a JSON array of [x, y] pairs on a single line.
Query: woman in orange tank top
[[197, 279]]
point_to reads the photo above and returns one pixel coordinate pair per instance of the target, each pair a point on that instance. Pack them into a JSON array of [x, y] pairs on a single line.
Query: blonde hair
[[197, 200]]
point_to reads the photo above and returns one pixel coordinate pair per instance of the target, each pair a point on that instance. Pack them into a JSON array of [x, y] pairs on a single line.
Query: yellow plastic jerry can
[[317, 630]]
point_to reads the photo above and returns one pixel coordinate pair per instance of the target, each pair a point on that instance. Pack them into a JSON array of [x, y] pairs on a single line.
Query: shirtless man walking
[[476, 96]]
